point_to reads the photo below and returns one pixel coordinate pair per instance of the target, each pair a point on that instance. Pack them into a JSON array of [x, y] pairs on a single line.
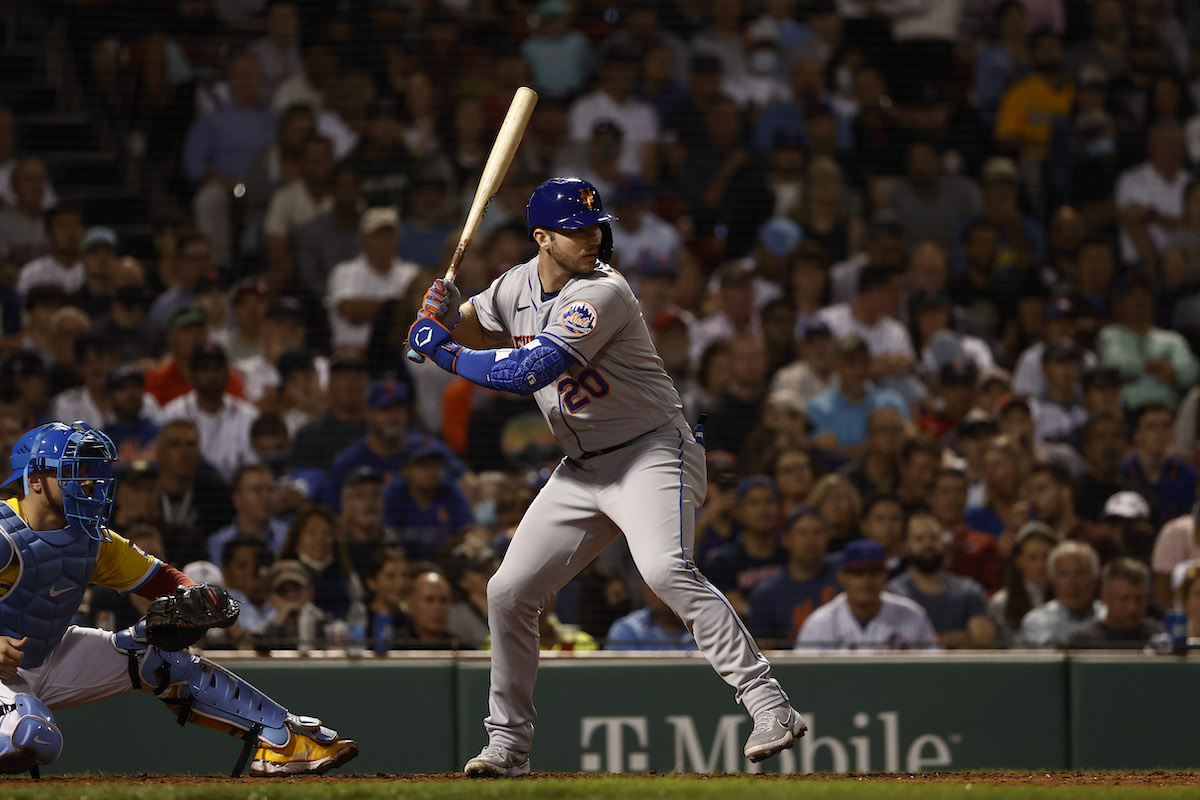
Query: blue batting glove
[[426, 335]]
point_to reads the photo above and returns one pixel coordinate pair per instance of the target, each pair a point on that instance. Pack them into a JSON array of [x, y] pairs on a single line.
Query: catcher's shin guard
[[28, 736], [199, 691]]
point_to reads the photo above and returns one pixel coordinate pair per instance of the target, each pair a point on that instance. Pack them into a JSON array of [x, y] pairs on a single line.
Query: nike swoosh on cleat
[[55, 592], [39, 741]]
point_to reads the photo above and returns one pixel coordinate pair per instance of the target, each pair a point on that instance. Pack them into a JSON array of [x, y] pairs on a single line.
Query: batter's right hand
[[442, 302], [11, 655]]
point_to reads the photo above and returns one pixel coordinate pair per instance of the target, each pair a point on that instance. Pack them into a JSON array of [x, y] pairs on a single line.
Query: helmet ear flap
[[606, 243]]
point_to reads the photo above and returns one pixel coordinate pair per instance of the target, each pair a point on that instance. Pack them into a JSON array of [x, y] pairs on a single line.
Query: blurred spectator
[[1104, 446], [812, 373], [956, 605], [362, 517], [1059, 323], [220, 148], [429, 602], [279, 163], [295, 204], [929, 204], [1058, 411], [559, 58], [295, 486], [1021, 239], [1032, 106], [423, 503], [294, 621], [883, 523], [252, 491], [357, 288], [278, 52], [248, 303], [795, 472], [1167, 481], [1006, 468], [173, 378], [736, 315], [841, 506], [91, 401], [877, 469], [23, 227], [281, 331], [653, 627], [333, 236], [426, 226], [137, 498], [1124, 624], [1149, 197], [387, 583], [736, 410], [780, 604], [640, 236], [971, 554], [1006, 60], [1155, 364], [9, 161], [1052, 500], [864, 616], [193, 261], [1072, 568], [1189, 600], [246, 575], [1025, 584], [824, 211], [318, 442], [312, 539], [24, 386], [1106, 46], [98, 253], [1176, 544], [472, 564], [613, 100], [222, 419], [755, 553], [920, 457], [1127, 518], [839, 416], [131, 424], [135, 337], [61, 266], [1101, 396]]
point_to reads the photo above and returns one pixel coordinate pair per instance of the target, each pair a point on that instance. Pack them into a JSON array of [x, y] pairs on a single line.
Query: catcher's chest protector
[[55, 567]]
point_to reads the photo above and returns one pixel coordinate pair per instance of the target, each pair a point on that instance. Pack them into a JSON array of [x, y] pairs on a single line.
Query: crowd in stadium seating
[[931, 270]]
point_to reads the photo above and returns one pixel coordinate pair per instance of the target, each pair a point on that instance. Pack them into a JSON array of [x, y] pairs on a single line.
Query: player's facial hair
[[559, 257]]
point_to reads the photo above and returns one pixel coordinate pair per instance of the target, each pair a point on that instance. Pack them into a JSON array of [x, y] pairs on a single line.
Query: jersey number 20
[[574, 391]]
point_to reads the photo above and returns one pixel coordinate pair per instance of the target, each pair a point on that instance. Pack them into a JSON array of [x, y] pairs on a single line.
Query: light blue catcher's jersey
[[619, 388]]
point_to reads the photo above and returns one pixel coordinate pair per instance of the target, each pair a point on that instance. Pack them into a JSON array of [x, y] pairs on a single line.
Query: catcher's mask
[[82, 459]]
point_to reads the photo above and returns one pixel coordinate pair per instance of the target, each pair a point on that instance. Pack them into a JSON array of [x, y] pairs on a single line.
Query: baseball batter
[[580, 346], [53, 543]]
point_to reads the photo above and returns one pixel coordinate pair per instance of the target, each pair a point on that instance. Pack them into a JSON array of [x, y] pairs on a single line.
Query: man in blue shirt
[[780, 604], [1167, 482], [653, 627], [424, 504], [839, 415], [219, 148], [390, 442]]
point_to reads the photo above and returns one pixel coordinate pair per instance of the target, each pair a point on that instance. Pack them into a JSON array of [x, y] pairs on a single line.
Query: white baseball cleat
[[775, 729], [497, 761]]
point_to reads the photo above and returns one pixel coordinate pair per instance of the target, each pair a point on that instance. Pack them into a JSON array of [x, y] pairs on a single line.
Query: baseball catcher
[[54, 541]]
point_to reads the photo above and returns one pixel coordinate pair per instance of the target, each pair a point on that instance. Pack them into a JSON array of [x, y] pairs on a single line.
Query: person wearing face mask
[[390, 440], [314, 539], [956, 605], [760, 85]]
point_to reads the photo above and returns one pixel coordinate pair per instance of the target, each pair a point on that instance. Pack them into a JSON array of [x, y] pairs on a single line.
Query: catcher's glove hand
[[176, 621]]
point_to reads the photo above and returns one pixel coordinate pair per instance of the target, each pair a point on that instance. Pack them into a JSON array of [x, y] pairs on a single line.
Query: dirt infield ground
[[1048, 779]]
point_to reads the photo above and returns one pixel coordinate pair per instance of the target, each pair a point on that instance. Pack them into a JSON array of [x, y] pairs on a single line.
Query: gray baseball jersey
[[619, 389]]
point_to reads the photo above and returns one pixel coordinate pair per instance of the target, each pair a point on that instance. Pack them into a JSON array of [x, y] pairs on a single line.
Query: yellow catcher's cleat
[[310, 749]]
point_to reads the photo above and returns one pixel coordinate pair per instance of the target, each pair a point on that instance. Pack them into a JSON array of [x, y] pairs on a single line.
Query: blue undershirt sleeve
[[521, 371]]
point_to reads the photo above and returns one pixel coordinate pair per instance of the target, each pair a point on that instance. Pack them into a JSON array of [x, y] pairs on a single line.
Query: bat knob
[[416, 357]]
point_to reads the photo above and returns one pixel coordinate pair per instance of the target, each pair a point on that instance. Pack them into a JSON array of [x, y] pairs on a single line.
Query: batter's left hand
[[11, 655], [426, 335]]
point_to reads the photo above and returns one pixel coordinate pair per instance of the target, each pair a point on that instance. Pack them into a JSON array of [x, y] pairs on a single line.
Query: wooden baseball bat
[[503, 149]]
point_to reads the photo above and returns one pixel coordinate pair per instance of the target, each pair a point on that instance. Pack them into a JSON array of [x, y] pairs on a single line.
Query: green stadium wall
[[902, 713]]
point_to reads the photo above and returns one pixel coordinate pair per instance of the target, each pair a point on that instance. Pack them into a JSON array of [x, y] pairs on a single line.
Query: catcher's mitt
[[176, 621]]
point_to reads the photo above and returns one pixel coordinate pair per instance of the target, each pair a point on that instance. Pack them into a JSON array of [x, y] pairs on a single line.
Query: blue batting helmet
[[567, 204], [82, 459]]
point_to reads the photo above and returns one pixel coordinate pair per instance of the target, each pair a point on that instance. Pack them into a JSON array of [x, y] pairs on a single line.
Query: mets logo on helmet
[[588, 197], [580, 318]]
